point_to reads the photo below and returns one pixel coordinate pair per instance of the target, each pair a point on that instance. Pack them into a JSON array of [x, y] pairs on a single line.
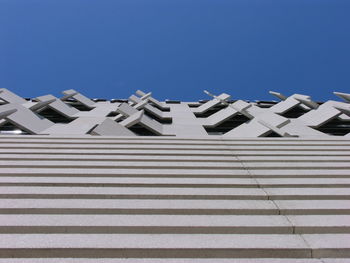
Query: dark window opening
[[119, 100], [272, 134], [71, 100], [265, 104], [54, 116], [160, 120], [294, 112], [211, 111], [120, 119], [193, 105], [79, 106], [227, 125], [112, 114], [141, 131], [173, 102], [10, 128], [335, 127]]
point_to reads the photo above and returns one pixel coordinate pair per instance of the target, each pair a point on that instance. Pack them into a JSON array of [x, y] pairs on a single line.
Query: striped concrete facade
[[167, 199]]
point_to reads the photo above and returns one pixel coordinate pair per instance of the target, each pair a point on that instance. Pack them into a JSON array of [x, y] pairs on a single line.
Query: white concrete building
[[148, 181]]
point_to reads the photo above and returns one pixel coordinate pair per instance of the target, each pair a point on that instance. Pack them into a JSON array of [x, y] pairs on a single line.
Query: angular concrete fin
[[68, 94], [11, 97], [41, 105], [212, 103], [145, 96], [111, 128], [79, 97], [145, 121], [6, 113], [157, 112], [59, 106], [140, 93], [219, 117], [344, 96], [132, 119], [141, 104], [134, 99], [306, 100], [126, 110], [24, 118], [278, 95]]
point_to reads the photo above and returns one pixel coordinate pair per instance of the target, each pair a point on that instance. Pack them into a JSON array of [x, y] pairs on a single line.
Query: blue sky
[[175, 48]]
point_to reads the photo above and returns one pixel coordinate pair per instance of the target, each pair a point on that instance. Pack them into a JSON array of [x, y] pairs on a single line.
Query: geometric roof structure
[[141, 180], [74, 114]]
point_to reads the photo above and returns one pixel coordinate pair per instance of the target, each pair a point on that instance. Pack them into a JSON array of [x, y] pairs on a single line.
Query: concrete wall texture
[[69, 192]]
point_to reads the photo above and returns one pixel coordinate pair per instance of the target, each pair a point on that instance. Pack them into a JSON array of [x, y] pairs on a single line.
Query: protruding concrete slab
[[298, 127], [159, 104], [93, 151], [304, 182], [147, 224], [301, 173], [59, 106], [126, 172], [126, 110], [77, 126], [25, 118], [308, 193], [326, 112], [294, 158], [208, 105], [111, 128], [318, 224], [329, 245], [253, 129], [207, 147], [157, 112], [296, 165], [285, 105], [140, 118], [171, 260], [278, 95], [128, 206], [345, 96], [128, 181], [314, 207], [306, 100], [335, 260], [143, 95], [192, 140], [126, 157], [219, 117], [133, 193], [79, 97], [11, 97], [121, 164], [224, 157], [150, 246]]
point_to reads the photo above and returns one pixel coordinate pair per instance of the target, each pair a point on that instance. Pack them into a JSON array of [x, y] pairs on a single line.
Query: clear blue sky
[[175, 48]]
